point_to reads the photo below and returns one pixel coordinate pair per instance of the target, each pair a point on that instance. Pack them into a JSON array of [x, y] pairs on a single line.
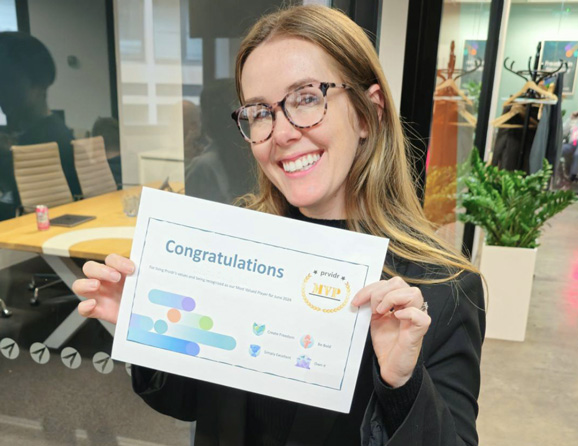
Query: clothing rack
[[536, 75]]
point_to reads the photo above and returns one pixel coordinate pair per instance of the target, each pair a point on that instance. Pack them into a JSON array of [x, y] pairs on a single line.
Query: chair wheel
[[6, 313]]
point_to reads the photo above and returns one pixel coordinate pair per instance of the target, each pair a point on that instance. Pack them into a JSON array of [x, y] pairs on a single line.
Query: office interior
[[141, 91]]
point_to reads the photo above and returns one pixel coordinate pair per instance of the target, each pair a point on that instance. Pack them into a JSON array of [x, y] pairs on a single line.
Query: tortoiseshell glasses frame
[[307, 115]]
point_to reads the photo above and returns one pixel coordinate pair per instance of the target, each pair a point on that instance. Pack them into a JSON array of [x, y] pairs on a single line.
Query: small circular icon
[[128, 368], [307, 341], [103, 363], [70, 358], [39, 353], [9, 348]]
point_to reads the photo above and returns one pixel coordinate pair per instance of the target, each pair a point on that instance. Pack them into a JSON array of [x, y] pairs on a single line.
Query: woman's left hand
[[398, 326]]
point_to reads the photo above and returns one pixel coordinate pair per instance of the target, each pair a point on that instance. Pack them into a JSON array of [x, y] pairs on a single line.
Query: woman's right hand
[[103, 287]]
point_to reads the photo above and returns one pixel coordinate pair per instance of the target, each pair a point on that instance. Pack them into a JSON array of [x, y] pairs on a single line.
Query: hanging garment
[[554, 148], [466, 135], [508, 144], [440, 188], [538, 151], [444, 135]]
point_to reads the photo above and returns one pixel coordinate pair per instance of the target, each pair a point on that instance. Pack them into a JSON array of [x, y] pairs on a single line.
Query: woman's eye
[[306, 99], [259, 115]]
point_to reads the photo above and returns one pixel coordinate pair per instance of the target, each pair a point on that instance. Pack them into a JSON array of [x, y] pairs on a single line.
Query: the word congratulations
[[200, 255]]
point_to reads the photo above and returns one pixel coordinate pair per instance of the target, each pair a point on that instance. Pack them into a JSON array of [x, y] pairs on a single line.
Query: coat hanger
[[533, 76], [529, 89], [517, 109], [448, 79], [470, 119]]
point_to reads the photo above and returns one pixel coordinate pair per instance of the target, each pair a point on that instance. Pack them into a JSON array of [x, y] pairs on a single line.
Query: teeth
[[302, 163]]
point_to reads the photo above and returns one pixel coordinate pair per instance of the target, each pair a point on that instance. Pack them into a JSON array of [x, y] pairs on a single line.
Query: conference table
[[111, 231]]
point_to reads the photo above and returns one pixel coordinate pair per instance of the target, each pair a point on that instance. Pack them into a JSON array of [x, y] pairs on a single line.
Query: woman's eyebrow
[[289, 88]]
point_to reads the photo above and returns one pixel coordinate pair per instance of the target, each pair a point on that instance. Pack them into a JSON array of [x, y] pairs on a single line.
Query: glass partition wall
[[535, 112], [460, 64], [152, 82]]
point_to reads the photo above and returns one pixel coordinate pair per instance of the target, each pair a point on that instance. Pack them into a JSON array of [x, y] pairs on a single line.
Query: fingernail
[[114, 276]]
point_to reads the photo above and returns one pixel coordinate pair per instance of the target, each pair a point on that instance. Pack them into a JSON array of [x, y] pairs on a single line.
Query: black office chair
[[40, 282]]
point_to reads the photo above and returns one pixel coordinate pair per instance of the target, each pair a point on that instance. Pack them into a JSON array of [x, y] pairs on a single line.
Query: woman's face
[[271, 71]]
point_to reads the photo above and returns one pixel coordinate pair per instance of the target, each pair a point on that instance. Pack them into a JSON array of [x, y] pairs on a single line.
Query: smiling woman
[[319, 117]]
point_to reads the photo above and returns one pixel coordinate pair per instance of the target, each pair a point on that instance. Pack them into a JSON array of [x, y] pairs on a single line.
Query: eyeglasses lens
[[305, 108]]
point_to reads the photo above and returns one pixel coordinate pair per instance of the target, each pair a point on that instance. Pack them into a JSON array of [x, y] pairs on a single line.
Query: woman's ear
[[376, 96]]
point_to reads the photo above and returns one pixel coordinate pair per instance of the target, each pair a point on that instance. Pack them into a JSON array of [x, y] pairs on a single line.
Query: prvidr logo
[[325, 291]]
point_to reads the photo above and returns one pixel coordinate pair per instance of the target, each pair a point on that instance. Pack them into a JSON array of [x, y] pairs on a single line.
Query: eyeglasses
[[304, 107]]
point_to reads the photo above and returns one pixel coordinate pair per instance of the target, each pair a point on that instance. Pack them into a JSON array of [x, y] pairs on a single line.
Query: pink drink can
[[42, 220]]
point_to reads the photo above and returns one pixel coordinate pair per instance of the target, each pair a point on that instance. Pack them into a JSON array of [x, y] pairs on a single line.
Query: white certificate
[[247, 300]]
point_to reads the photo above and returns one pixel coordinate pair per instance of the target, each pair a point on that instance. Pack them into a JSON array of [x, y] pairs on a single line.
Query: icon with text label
[[258, 329], [304, 362], [254, 350], [307, 341]]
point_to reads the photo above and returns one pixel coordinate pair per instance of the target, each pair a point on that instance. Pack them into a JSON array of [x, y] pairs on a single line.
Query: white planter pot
[[509, 273]]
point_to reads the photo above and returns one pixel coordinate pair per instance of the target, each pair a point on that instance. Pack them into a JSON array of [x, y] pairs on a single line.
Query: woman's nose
[[284, 133]]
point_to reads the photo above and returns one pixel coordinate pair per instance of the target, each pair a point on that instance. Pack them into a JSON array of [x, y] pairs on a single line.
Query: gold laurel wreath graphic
[[315, 307]]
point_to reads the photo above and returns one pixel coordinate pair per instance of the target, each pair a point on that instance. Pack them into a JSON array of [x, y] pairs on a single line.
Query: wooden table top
[[110, 232]]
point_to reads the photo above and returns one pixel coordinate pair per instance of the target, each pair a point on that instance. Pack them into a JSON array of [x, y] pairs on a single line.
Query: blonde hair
[[380, 195]]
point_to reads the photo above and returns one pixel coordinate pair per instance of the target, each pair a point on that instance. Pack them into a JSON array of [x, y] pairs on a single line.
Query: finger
[[377, 289], [84, 287], [95, 270], [420, 320], [86, 308], [120, 263], [363, 296], [400, 298]]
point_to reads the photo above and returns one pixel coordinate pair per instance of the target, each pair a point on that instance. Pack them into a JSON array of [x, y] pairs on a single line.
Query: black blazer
[[442, 411]]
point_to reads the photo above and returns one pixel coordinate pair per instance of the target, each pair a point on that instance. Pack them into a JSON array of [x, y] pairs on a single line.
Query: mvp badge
[[324, 291]]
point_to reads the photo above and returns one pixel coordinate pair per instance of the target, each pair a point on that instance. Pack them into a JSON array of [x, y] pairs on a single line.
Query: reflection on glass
[[461, 54], [28, 71], [222, 170], [8, 21], [537, 92], [131, 33]]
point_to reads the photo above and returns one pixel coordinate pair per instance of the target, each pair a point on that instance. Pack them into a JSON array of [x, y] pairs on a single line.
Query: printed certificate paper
[[247, 300]]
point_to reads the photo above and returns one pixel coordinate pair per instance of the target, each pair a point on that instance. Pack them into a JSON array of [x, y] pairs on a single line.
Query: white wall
[[75, 27], [393, 25]]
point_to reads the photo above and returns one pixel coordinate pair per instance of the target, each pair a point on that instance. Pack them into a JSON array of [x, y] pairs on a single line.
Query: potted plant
[[512, 208]]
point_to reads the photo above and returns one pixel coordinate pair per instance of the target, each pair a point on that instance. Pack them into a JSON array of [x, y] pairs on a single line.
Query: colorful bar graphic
[[143, 323], [195, 320], [164, 342], [204, 337], [171, 300]]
